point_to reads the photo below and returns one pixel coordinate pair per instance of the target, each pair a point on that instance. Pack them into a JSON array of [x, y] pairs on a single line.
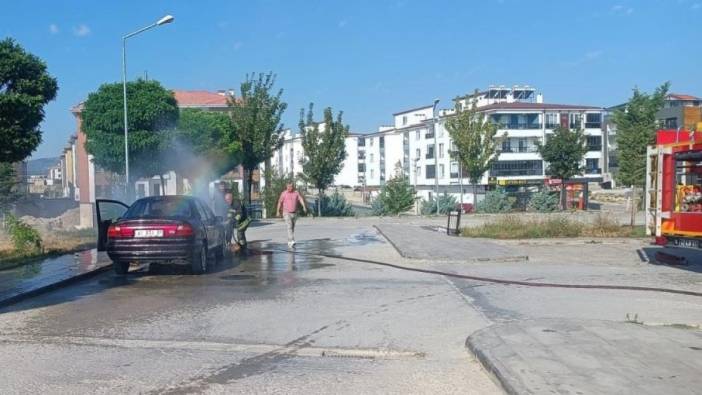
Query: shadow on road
[[693, 257]]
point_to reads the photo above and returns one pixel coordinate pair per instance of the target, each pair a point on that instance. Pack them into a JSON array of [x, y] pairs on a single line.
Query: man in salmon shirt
[[287, 204]]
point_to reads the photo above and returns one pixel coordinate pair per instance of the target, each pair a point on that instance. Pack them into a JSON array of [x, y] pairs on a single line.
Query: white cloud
[[696, 6], [620, 9], [343, 23], [81, 30], [53, 28], [589, 56], [592, 55]]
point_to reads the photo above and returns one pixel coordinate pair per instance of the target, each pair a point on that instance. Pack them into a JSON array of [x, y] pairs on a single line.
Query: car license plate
[[689, 243], [148, 233]]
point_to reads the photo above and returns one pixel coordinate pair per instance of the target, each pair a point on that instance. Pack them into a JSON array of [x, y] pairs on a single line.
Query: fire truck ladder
[[654, 190]]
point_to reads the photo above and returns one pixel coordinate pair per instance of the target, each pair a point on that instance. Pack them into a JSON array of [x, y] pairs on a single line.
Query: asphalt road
[[275, 322]]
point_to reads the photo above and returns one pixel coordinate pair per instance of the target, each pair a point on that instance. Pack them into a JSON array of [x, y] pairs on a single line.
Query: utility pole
[[436, 148]]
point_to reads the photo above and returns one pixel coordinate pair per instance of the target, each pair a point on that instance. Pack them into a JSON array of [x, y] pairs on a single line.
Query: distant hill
[[40, 166]]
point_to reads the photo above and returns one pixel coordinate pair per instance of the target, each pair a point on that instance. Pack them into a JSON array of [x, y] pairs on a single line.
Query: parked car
[[177, 229]]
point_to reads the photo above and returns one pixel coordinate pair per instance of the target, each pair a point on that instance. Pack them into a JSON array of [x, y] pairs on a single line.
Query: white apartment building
[[421, 149], [288, 158]]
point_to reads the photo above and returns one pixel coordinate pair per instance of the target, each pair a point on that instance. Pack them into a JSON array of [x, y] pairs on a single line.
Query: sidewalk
[[27, 280], [590, 357], [417, 242]]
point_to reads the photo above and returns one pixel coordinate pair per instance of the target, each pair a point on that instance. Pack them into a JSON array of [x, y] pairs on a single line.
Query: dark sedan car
[[178, 229]]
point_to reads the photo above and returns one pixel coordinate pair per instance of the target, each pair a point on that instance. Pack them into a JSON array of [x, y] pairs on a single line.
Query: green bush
[[496, 201], [442, 205], [396, 197], [336, 206], [377, 207], [25, 238], [428, 207], [543, 201], [519, 227]]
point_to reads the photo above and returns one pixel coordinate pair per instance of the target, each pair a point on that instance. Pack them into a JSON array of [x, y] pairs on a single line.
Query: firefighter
[[239, 219]]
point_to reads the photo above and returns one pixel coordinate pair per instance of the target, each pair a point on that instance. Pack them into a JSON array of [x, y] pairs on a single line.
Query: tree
[[204, 146], [474, 138], [636, 129], [256, 117], [325, 149], [25, 88], [397, 195], [8, 187], [152, 115], [564, 151]]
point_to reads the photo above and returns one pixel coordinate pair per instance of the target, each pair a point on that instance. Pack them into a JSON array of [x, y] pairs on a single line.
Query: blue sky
[[367, 58]]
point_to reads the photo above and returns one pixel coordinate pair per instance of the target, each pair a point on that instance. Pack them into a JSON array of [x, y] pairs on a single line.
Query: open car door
[[108, 211]]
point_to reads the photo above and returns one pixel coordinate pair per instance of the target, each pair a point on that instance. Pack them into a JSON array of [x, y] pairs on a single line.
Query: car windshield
[[159, 208]]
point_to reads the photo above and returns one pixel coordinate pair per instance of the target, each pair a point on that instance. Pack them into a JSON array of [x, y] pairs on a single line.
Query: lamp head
[[165, 19]]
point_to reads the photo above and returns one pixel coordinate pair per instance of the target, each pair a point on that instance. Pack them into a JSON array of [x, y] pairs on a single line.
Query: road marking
[[303, 351]]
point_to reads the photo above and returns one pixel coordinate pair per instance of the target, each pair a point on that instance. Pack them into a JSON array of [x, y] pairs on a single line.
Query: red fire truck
[[674, 188]]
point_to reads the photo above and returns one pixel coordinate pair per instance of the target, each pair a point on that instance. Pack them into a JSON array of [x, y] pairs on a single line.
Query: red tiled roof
[[678, 96], [199, 99], [534, 106]]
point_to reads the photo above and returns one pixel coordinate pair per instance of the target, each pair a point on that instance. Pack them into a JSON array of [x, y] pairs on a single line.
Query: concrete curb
[[50, 287], [492, 368]]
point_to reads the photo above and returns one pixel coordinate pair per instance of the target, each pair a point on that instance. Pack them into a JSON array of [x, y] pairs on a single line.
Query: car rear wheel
[[121, 267], [221, 250], [198, 262]]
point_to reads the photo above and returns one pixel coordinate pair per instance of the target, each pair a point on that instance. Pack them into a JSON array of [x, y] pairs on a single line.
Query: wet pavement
[[38, 275], [275, 321], [325, 317]]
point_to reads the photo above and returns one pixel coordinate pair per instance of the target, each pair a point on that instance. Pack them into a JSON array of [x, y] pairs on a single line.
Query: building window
[[361, 167], [404, 120], [382, 142], [441, 150], [361, 142], [594, 143], [575, 121], [506, 145], [593, 121], [372, 173], [671, 123], [430, 171], [552, 120], [441, 171], [418, 153], [510, 168], [592, 166], [371, 158], [430, 151], [371, 141], [454, 169], [416, 134]]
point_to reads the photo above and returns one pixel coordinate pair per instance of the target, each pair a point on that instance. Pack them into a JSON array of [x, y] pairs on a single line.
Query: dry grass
[[516, 227]]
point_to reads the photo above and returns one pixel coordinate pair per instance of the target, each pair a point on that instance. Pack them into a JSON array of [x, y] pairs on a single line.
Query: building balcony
[[518, 150], [429, 156], [593, 125], [593, 171], [429, 135], [519, 126], [594, 148]]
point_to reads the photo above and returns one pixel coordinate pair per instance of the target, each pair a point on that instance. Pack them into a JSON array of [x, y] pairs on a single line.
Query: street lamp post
[[436, 156], [166, 19]]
